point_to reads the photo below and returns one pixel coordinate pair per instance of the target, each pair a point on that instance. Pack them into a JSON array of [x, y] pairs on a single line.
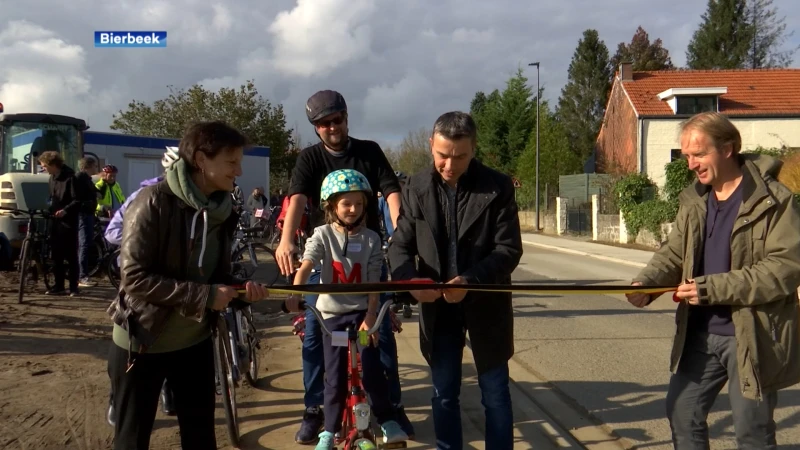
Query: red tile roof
[[750, 92]]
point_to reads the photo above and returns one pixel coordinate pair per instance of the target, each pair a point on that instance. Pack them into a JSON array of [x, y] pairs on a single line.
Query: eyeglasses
[[327, 123]]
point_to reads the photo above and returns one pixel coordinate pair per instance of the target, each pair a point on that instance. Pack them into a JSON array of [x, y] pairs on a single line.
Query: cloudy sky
[[399, 64]]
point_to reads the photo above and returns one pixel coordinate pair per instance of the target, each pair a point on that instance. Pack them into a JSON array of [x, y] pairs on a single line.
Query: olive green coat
[[761, 287]]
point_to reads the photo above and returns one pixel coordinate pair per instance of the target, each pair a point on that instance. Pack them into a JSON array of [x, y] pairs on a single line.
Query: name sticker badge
[[353, 247], [339, 339]]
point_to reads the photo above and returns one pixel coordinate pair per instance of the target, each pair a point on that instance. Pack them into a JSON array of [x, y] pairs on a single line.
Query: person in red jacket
[[282, 217]]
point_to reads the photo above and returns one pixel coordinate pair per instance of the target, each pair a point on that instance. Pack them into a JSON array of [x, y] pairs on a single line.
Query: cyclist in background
[[87, 167], [65, 203], [111, 197], [385, 211]]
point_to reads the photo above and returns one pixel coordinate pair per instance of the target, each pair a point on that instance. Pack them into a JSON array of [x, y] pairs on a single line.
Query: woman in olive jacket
[[175, 267]]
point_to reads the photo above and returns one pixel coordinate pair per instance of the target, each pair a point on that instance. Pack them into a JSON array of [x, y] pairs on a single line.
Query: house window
[[675, 153], [694, 105]]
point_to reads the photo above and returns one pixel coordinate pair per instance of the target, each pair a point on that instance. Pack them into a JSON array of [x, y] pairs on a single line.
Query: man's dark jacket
[[87, 192], [65, 194], [489, 249]]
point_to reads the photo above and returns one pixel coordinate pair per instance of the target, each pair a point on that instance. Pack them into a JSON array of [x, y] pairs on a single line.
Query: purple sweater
[[114, 230]]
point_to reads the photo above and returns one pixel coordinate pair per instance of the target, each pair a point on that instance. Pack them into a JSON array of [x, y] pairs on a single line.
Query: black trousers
[[64, 247], [337, 365], [190, 373]]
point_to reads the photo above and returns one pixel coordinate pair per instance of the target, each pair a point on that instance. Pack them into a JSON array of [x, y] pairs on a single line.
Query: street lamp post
[[537, 143]]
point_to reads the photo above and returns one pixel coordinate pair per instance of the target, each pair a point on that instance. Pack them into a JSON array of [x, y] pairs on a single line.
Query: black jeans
[[64, 246], [190, 373], [707, 362]]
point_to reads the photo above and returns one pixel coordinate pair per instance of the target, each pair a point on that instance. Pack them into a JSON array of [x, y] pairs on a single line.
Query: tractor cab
[[23, 137]]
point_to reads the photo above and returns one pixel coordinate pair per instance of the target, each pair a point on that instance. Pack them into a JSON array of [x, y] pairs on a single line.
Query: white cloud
[[388, 104], [48, 74], [398, 64], [321, 35], [472, 36], [222, 20]]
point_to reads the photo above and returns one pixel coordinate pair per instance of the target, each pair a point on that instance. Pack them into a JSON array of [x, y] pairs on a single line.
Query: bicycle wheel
[[256, 262], [222, 358], [45, 269], [96, 252], [251, 337], [275, 240], [24, 267], [112, 269]]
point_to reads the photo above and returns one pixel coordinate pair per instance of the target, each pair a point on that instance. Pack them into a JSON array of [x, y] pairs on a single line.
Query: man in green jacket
[[735, 252], [111, 197]]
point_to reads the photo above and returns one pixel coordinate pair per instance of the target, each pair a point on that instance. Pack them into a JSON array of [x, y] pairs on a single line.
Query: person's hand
[[293, 303], [285, 255], [369, 322], [223, 296], [255, 292], [60, 213], [427, 295], [638, 299], [455, 295], [687, 291]]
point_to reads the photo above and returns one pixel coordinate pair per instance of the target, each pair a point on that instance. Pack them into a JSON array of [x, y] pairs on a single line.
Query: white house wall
[[129, 161], [661, 136], [137, 163]]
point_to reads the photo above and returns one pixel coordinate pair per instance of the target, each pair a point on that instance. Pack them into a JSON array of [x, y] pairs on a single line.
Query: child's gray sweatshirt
[[362, 264]]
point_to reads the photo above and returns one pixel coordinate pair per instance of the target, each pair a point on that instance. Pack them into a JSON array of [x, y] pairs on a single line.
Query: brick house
[[644, 110]]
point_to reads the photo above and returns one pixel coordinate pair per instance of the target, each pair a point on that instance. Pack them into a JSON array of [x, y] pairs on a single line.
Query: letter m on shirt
[[339, 275]]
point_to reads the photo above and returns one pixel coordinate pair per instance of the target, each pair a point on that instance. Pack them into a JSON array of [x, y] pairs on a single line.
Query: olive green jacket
[[761, 287]]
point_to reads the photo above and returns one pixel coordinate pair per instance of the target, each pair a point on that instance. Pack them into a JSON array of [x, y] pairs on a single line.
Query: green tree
[[414, 153], [642, 53], [519, 115], [505, 121], [583, 99], [723, 39], [243, 108], [555, 158], [492, 128], [769, 34]]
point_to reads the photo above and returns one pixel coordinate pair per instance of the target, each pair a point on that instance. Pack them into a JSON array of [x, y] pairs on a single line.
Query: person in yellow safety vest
[[110, 197]]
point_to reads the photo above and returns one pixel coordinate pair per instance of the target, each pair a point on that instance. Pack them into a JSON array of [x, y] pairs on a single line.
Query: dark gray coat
[[489, 249]]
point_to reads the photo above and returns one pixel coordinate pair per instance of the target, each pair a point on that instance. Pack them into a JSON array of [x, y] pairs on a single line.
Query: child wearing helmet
[[348, 252]]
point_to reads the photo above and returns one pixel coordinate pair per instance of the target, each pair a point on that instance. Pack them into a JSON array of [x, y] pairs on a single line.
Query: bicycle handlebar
[[30, 212], [304, 306]]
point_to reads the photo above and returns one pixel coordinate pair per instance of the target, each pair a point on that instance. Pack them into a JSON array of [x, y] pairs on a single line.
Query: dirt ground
[[53, 375]]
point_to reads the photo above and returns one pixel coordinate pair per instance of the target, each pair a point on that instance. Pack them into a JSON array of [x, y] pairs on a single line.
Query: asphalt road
[[611, 358]]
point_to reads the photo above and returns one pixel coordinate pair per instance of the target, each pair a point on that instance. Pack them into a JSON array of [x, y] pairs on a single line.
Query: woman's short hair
[[211, 139]]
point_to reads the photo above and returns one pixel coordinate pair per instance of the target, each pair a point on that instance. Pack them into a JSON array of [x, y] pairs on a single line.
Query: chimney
[[626, 71]]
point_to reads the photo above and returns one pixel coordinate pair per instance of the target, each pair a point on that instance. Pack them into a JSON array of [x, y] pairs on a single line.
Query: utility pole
[[537, 143]]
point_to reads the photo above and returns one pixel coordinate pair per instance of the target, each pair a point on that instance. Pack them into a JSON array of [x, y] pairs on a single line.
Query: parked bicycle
[[251, 260], [266, 221], [112, 268], [34, 258], [100, 251], [236, 345], [359, 430]]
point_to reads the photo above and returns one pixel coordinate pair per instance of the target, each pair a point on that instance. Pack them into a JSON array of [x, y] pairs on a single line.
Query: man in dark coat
[[459, 221], [65, 205]]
